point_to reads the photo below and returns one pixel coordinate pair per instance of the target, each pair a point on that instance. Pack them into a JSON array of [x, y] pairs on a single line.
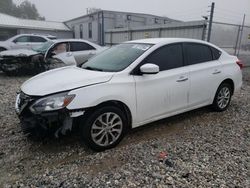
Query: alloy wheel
[[223, 97], [106, 129]]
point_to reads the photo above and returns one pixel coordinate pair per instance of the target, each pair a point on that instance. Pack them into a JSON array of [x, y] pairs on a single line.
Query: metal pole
[[103, 32], [237, 40], [210, 22], [203, 37], [242, 28], [99, 29]]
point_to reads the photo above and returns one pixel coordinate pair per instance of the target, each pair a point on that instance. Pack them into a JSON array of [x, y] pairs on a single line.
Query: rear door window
[[22, 39], [167, 57], [197, 53], [216, 53], [80, 46], [38, 39]]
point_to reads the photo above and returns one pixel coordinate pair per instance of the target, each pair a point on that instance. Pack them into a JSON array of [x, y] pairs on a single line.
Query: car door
[[205, 73], [166, 92], [82, 51], [22, 42], [36, 41]]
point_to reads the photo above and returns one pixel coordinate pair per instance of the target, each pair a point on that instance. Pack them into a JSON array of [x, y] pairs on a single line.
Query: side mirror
[[149, 69]]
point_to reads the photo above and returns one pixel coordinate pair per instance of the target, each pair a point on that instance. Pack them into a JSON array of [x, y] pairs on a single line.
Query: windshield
[[44, 47], [116, 58]]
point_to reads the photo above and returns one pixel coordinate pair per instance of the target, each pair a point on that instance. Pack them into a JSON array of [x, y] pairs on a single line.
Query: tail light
[[240, 64]]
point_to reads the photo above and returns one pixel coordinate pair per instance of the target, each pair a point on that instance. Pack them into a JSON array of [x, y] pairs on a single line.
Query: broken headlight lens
[[51, 103]]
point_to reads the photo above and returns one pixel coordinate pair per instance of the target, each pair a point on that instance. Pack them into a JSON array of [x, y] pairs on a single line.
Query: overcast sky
[[230, 11]]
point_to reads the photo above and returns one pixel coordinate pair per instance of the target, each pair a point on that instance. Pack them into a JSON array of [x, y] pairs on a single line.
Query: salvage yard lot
[[205, 148]]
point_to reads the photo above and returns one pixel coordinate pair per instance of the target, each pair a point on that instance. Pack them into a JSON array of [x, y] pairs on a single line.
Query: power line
[[236, 21], [228, 14]]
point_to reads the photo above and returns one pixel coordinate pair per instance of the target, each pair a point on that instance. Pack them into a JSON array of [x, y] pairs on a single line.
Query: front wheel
[[222, 97], [104, 128]]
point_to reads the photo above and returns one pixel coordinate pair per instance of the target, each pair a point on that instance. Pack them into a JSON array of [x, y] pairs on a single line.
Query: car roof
[[166, 40], [38, 35], [162, 41], [75, 40]]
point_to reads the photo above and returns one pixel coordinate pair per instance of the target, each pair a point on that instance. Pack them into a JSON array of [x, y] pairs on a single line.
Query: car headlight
[[51, 103]]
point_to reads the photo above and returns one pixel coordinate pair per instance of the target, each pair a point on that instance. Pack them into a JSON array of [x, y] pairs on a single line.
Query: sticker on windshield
[[142, 47]]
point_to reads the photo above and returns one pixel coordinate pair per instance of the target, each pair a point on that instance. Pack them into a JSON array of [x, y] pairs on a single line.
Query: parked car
[[127, 86], [25, 41], [52, 54]]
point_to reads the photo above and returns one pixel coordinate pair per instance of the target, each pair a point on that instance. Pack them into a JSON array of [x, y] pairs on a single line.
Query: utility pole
[[210, 22], [242, 28]]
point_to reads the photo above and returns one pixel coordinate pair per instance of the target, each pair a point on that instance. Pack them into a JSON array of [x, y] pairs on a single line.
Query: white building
[[92, 26], [10, 26]]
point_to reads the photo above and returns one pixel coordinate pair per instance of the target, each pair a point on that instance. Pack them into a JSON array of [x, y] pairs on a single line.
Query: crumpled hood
[[63, 79], [18, 52]]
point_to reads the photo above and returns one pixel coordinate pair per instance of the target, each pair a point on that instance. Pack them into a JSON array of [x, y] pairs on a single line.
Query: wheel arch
[[118, 104], [227, 80], [230, 82]]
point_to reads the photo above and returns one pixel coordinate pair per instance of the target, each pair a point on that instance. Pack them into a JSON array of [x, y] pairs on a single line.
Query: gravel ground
[[205, 149]]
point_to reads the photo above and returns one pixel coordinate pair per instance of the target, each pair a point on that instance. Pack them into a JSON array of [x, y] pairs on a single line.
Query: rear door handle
[[182, 79], [217, 72]]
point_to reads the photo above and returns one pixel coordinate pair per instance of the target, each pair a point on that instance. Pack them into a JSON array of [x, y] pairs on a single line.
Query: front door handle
[[217, 72], [68, 54], [182, 79]]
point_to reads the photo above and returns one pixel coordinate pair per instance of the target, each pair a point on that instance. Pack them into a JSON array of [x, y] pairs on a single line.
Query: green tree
[[25, 10], [29, 11], [7, 7]]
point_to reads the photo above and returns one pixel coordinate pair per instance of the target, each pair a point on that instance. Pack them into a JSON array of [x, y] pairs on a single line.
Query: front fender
[[94, 95]]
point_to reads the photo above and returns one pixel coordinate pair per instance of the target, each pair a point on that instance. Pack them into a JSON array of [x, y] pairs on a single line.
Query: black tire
[[218, 105], [2, 49], [88, 122]]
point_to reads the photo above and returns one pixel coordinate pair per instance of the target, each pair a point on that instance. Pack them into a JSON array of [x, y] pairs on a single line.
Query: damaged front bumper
[[42, 124]]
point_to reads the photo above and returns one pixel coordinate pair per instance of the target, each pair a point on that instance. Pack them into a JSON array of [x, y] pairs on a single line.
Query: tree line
[[24, 10]]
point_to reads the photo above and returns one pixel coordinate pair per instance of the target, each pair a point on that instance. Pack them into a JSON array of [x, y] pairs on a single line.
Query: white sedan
[[25, 41], [127, 86]]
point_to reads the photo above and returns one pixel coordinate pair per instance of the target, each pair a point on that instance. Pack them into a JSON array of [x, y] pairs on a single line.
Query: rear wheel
[[223, 97], [104, 128]]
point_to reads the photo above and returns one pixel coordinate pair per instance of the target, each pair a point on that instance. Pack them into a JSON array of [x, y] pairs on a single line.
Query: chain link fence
[[233, 38]]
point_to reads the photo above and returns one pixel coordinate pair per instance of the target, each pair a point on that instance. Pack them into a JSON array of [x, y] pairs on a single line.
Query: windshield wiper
[[94, 69]]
